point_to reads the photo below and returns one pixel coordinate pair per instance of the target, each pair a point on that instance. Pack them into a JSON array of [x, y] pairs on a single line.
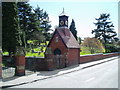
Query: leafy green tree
[[35, 34], [30, 26], [105, 29], [25, 11], [111, 48], [73, 29], [10, 27], [93, 45], [44, 28], [79, 40], [118, 45], [44, 23], [34, 24]]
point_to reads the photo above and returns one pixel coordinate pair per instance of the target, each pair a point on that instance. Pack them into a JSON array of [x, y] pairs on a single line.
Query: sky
[[83, 13]]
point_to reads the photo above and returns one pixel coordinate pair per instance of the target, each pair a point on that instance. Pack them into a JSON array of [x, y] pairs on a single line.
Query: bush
[[111, 48], [92, 45]]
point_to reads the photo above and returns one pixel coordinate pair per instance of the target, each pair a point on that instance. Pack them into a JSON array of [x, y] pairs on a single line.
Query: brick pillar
[[79, 56], [66, 59], [50, 64], [20, 65], [0, 66], [50, 61]]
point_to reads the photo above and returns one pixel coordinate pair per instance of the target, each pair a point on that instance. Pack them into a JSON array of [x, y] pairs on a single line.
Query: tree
[[118, 44], [34, 24], [73, 29], [44, 23], [79, 40], [105, 29], [10, 27], [30, 26], [93, 45], [44, 27], [24, 17]]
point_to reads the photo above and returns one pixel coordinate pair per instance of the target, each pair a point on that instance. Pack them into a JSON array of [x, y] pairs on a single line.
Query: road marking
[[90, 79]]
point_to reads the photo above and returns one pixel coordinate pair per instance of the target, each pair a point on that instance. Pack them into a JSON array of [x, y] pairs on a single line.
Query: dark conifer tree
[[105, 29], [24, 16], [44, 23], [29, 24], [10, 27], [73, 29]]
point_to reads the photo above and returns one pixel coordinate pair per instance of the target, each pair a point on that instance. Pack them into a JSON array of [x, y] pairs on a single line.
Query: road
[[99, 76]]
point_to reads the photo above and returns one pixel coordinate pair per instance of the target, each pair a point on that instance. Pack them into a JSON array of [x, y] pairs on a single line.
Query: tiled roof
[[67, 37]]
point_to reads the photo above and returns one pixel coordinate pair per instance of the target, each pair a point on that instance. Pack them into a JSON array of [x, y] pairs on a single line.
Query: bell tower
[[63, 49], [63, 19]]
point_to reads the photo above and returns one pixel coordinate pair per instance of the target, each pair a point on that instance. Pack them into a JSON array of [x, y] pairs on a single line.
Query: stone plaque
[[20, 67]]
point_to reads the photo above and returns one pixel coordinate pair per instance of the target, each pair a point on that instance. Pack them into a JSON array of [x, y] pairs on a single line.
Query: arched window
[[57, 51]]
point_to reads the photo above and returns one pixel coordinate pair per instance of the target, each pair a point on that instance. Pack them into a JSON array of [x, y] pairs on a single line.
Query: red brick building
[[63, 49]]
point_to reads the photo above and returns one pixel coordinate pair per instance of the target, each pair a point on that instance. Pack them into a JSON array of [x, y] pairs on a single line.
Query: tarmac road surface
[[104, 75]]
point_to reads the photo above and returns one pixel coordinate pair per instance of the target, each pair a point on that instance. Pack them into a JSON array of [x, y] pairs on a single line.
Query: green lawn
[[37, 52], [5, 53], [84, 51]]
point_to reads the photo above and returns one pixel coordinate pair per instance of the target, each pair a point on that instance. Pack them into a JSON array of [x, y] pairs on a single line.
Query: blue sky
[[83, 13]]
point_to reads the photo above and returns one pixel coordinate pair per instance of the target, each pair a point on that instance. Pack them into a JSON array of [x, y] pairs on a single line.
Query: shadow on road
[[49, 73]]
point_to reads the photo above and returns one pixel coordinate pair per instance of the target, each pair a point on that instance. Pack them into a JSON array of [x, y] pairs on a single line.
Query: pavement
[[15, 81]]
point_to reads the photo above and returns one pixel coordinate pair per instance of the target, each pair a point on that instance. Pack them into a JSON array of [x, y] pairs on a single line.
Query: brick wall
[[58, 44], [89, 58], [73, 56], [35, 63], [40, 63]]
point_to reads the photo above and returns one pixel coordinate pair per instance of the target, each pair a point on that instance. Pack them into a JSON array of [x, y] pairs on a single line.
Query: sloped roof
[[63, 14], [67, 37]]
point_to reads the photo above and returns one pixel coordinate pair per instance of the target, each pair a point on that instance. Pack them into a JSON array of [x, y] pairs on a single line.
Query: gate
[[60, 61]]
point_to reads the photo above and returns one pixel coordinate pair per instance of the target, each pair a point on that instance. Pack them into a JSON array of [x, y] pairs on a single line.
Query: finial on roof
[[63, 10], [63, 13]]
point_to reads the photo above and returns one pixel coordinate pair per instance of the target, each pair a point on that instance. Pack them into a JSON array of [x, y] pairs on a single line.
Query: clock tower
[[63, 19]]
